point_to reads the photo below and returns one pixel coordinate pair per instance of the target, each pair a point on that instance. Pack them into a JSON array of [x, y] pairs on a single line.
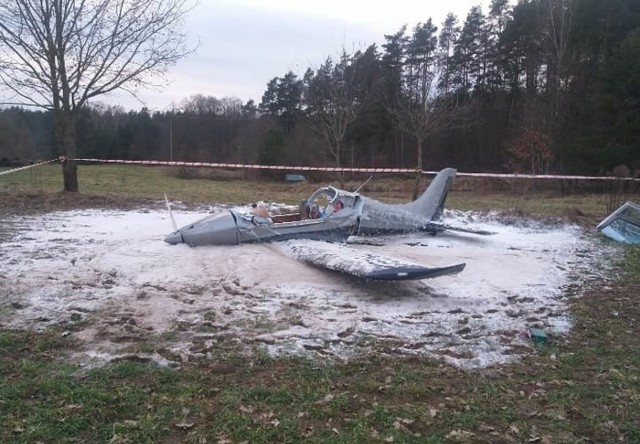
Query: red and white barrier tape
[[325, 169], [544, 176], [251, 167], [349, 170], [2, 173]]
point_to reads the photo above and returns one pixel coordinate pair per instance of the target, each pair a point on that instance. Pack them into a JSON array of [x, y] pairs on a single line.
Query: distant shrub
[[204, 173], [186, 173]]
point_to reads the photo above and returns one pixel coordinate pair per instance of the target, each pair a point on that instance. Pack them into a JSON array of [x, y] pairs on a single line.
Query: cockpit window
[[327, 201], [320, 203], [322, 197], [623, 225], [322, 200]]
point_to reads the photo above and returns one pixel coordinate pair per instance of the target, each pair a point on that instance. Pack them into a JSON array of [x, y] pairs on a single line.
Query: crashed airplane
[[334, 215]]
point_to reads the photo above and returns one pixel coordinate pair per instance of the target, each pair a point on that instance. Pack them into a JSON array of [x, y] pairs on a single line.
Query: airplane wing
[[363, 264]]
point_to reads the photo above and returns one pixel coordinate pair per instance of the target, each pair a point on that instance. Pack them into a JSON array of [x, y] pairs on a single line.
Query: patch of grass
[[264, 323], [152, 182], [585, 388], [115, 182], [631, 264]]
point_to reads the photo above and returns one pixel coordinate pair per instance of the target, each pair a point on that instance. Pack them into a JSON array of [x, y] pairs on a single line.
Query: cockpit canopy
[[327, 200]]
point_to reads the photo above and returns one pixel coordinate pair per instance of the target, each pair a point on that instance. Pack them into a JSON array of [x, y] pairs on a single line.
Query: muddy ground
[[97, 268]]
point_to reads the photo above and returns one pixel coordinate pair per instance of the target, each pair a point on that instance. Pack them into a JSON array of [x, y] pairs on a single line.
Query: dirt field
[[106, 276]]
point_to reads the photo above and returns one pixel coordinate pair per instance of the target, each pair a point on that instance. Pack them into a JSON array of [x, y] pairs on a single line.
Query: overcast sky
[[245, 43]]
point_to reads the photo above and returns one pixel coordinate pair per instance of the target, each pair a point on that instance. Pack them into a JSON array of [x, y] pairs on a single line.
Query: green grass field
[[126, 181], [582, 388]]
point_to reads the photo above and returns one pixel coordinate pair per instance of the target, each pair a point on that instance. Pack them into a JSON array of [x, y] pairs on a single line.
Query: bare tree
[[415, 105], [60, 54], [435, 115], [335, 95], [560, 20]]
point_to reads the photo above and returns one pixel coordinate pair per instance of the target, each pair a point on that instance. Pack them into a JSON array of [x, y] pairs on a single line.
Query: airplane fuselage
[[330, 214], [233, 228]]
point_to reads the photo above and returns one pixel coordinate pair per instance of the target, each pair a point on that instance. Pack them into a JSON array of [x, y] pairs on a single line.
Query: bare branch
[[79, 49], [59, 54]]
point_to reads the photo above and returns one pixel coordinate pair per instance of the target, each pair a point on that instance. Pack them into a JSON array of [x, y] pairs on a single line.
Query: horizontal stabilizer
[[363, 264], [469, 230]]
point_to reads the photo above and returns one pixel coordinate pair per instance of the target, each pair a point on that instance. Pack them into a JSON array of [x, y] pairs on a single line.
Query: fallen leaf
[[266, 416], [73, 406], [328, 397], [308, 432], [459, 434], [486, 428], [244, 409]]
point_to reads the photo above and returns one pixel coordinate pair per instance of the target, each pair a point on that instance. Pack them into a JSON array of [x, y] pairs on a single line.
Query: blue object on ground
[[623, 225], [294, 178], [538, 335]]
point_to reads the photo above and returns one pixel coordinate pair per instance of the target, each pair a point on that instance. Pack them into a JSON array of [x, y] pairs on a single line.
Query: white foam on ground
[[112, 270]]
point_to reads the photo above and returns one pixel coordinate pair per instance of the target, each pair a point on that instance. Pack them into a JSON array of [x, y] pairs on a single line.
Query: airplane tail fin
[[431, 203]]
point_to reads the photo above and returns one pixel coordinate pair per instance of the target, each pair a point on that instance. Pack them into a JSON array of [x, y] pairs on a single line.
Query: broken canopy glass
[[623, 225]]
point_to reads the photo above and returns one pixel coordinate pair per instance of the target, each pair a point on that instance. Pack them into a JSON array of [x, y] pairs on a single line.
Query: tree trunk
[[70, 175], [416, 187], [65, 131], [338, 158]]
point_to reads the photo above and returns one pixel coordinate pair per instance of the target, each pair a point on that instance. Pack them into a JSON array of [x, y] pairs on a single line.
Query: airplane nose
[[174, 238]]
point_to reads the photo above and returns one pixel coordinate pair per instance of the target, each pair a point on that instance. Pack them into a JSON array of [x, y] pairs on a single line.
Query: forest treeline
[[540, 86]]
